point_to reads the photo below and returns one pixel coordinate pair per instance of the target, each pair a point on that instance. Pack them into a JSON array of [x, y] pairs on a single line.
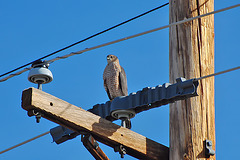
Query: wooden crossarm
[[104, 131]]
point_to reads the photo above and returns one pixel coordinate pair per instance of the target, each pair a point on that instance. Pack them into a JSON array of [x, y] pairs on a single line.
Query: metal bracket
[[37, 114], [121, 149], [208, 148], [61, 134]]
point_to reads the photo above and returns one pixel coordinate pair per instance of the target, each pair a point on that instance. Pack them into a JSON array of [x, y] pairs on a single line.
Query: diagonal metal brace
[[93, 147]]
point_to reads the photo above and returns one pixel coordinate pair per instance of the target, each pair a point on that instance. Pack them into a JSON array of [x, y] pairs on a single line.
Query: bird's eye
[[111, 56]]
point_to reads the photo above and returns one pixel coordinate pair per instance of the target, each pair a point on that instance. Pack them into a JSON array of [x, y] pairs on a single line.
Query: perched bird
[[114, 77], [115, 83]]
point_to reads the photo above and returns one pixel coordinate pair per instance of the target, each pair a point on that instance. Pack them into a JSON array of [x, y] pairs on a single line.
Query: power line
[[218, 73], [20, 144], [83, 40], [126, 38], [15, 74]]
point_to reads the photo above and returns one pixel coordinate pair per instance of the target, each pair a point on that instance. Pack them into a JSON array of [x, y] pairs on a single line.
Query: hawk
[[114, 77]]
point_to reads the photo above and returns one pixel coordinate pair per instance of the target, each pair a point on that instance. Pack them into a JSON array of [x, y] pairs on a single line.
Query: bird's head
[[111, 58]]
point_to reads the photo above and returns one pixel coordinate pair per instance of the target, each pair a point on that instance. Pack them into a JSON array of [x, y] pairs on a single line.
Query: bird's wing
[[107, 90], [123, 82]]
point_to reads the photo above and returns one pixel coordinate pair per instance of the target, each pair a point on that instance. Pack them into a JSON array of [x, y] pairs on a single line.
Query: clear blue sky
[[32, 29]]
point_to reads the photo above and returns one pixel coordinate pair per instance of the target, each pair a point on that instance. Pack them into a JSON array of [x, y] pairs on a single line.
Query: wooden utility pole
[[191, 55]]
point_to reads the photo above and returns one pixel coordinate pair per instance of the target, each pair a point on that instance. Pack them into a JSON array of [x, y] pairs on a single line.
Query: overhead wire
[[85, 39], [218, 73], [43, 134], [126, 38], [24, 142]]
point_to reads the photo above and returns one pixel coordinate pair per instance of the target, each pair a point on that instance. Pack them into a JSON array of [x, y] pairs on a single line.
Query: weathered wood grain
[[77, 119], [191, 54]]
